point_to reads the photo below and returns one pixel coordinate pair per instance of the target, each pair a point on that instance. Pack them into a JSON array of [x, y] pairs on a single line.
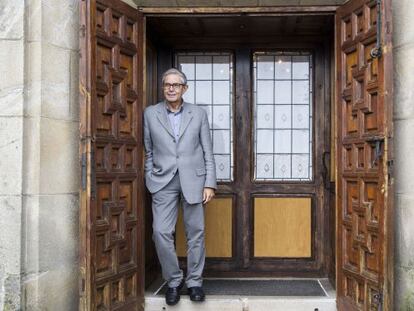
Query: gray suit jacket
[[192, 156]]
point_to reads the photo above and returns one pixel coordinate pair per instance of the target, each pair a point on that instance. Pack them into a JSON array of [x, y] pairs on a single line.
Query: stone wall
[[11, 151], [403, 41], [50, 157], [39, 123]]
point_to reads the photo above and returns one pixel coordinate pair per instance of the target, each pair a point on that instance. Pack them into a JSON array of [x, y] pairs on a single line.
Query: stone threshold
[[154, 302]]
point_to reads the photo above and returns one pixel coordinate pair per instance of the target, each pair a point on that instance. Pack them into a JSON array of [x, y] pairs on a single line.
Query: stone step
[[154, 302], [233, 303]]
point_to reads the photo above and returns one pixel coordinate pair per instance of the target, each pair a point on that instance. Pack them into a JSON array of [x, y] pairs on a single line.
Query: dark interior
[[242, 34], [242, 30]]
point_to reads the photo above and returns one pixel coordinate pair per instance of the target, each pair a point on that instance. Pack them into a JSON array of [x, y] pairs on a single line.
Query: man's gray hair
[[174, 71]]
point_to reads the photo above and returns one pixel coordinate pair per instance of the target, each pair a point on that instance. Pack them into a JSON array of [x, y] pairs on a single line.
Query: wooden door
[[268, 126], [364, 156], [111, 214]]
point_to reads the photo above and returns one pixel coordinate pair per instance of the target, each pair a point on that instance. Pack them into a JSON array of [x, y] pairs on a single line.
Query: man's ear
[[185, 88]]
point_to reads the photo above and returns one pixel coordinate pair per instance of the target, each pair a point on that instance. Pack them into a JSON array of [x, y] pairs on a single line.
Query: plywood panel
[[282, 227], [218, 222]]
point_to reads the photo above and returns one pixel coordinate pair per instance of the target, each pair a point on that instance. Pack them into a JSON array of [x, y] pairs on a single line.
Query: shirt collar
[[175, 112]]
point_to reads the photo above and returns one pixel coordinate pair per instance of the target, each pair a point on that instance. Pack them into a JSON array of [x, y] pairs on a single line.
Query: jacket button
[[177, 157], [173, 140]]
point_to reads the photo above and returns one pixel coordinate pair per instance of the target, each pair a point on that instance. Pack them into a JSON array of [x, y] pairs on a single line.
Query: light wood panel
[[218, 232], [282, 227]]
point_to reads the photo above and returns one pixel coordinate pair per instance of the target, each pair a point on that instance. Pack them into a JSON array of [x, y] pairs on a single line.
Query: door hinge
[[378, 142], [390, 164], [377, 300], [83, 285], [82, 280], [82, 31], [378, 151], [376, 52], [93, 175], [83, 171]]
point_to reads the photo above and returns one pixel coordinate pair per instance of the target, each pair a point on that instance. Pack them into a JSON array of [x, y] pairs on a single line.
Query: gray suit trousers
[[165, 211]]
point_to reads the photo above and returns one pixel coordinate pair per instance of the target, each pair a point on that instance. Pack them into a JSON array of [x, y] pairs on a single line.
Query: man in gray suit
[[179, 164]]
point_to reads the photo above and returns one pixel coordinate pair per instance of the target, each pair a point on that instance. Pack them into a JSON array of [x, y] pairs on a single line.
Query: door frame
[[243, 218], [388, 98], [217, 10], [321, 263], [269, 11]]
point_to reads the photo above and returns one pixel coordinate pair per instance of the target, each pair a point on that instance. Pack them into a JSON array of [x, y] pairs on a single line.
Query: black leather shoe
[[196, 293], [172, 296]]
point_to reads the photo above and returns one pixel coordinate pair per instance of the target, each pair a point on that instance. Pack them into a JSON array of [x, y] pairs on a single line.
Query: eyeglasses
[[175, 86]]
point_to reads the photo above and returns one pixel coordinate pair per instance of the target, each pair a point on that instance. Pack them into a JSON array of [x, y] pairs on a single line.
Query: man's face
[[173, 88]]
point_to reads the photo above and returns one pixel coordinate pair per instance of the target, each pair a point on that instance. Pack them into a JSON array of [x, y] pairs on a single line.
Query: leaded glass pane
[[282, 115], [221, 93], [282, 167], [300, 141], [265, 67], [283, 67], [300, 92], [265, 166], [283, 141], [222, 166], [188, 66], [263, 94], [265, 116], [283, 92], [221, 117], [203, 92], [203, 68], [300, 67], [283, 118], [301, 116], [264, 141], [221, 68], [300, 166]]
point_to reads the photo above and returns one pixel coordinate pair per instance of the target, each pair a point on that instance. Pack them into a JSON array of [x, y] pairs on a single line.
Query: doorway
[[114, 45], [265, 84]]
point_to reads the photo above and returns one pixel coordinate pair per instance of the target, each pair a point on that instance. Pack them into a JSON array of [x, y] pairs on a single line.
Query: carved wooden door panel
[[111, 215], [364, 155]]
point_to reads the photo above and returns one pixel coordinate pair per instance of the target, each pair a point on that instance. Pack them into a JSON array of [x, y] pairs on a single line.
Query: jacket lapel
[[185, 118], [163, 118]]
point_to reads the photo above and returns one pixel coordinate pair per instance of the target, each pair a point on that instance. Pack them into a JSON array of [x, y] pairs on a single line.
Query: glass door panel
[[210, 81], [282, 85]]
